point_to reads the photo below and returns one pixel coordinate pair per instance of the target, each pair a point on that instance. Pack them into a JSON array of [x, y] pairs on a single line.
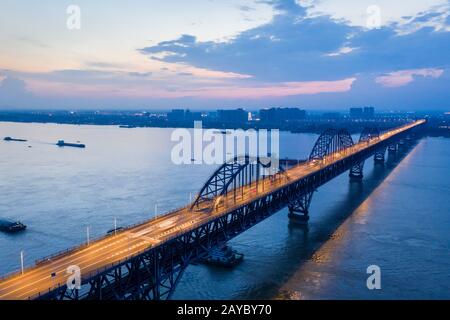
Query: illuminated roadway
[[112, 249]]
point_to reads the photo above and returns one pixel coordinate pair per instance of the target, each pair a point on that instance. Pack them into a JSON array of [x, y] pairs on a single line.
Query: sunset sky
[[209, 54]]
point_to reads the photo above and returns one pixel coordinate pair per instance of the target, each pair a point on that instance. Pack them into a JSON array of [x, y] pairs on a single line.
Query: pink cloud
[[157, 90], [278, 90], [404, 77]]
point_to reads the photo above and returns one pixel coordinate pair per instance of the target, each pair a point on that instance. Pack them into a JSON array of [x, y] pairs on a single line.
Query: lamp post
[[21, 261]]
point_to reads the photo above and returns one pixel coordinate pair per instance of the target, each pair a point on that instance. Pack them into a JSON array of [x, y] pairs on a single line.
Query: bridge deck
[[113, 249]]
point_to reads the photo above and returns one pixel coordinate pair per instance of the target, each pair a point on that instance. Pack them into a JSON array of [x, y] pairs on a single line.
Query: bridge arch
[[330, 141], [368, 134], [233, 174]]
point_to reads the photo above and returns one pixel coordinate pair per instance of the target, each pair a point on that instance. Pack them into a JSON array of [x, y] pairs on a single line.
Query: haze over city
[[225, 54]]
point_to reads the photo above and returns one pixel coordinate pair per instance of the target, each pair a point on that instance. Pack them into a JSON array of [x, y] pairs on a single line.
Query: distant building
[[180, 115], [277, 115], [192, 116], [362, 113], [233, 116], [176, 115]]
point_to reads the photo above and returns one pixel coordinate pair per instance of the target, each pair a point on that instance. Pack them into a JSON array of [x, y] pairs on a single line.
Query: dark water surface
[[398, 218]]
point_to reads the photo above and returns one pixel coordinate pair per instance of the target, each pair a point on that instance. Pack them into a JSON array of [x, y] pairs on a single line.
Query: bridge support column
[[356, 172], [299, 209], [392, 148], [380, 156]]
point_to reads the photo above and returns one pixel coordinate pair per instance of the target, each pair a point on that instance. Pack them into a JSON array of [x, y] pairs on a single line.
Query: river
[[398, 218]]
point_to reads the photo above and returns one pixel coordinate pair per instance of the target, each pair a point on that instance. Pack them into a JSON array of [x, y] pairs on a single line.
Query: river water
[[398, 218]]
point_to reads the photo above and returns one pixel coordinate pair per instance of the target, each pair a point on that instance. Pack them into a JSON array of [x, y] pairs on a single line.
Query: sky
[[212, 54]]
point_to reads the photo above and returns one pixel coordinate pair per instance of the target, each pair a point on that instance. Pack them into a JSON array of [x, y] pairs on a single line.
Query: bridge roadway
[[115, 248]]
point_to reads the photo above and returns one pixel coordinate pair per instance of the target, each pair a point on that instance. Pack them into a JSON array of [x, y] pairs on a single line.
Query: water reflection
[[315, 274]]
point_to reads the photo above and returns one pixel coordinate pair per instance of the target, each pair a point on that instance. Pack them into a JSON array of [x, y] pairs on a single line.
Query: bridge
[[146, 261]]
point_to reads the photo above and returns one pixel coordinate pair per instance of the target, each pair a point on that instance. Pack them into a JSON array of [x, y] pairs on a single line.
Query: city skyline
[[211, 55]]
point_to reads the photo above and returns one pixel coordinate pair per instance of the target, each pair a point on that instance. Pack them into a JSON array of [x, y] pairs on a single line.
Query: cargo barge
[[14, 139], [61, 143]]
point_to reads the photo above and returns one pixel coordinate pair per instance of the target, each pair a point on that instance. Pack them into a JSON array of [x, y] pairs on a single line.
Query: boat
[[11, 227], [61, 143], [128, 126], [222, 132], [222, 256], [14, 139]]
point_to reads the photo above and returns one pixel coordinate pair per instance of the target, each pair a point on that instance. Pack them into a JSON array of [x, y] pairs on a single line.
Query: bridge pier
[[299, 209], [392, 148], [379, 157], [356, 174], [222, 256]]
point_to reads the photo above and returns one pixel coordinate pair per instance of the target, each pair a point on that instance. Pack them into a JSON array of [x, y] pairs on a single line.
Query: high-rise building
[[356, 112], [233, 116], [177, 115], [277, 115]]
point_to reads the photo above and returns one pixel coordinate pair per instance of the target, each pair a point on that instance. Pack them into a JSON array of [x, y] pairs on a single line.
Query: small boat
[[128, 126], [61, 143], [11, 227], [14, 139], [222, 132]]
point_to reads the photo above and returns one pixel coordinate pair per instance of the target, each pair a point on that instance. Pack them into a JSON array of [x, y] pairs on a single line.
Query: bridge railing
[[64, 252]]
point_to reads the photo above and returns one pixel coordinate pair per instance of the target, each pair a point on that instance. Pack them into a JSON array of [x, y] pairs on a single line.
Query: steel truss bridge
[[146, 261]]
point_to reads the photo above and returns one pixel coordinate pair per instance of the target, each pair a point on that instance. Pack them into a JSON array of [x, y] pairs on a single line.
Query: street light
[[21, 261]]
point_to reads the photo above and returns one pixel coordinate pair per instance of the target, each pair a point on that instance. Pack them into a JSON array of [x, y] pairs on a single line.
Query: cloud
[[140, 74], [288, 49], [341, 51], [404, 77], [13, 92], [303, 56], [271, 90], [395, 14], [246, 8], [298, 47]]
